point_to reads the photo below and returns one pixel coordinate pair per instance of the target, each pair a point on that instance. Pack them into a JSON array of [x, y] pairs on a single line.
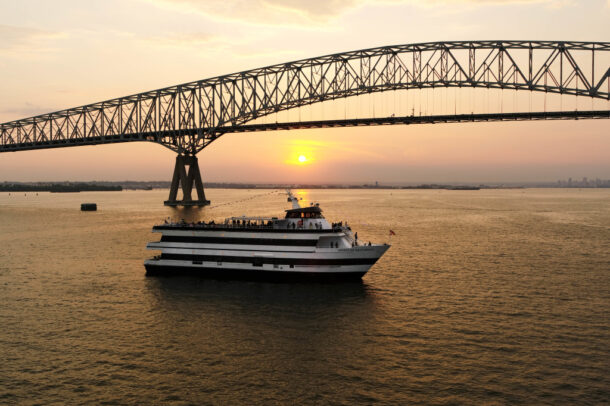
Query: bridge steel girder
[[357, 122], [188, 117], [438, 119]]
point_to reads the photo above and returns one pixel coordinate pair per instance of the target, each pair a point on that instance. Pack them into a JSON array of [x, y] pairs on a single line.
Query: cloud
[[184, 40], [314, 12], [314, 149], [497, 2], [237, 46], [26, 109], [25, 40], [273, 12]]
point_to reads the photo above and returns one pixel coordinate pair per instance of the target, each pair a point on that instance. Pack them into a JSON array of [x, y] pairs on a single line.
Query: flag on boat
[[392, 233]]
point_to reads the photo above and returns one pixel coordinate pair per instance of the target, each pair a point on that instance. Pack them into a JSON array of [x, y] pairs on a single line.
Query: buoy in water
[[88, 207]]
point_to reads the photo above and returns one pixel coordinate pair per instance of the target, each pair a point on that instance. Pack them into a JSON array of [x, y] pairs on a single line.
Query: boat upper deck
[[267, 227], [298, 220]]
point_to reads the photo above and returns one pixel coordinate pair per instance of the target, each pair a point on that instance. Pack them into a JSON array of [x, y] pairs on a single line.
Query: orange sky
[[61, 54]]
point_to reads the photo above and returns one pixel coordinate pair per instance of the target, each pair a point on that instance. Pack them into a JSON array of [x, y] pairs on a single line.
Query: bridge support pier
[[186, 179]]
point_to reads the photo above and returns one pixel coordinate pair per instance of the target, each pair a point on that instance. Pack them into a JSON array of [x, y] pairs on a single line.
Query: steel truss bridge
[[188, 117]]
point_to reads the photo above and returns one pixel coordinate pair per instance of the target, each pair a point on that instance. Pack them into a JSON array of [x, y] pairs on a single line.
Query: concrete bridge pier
[[186, 179]]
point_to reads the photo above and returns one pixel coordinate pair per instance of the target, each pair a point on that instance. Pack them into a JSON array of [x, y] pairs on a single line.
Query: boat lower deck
[[159, 268]]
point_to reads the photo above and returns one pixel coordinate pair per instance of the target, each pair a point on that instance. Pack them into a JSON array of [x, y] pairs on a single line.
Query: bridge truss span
[[188, 117]]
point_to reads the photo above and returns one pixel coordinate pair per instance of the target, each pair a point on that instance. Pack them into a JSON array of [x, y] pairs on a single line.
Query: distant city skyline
[[68, 53]]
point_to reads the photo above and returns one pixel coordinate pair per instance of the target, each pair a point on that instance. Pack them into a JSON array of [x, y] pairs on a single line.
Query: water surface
[[491, 296]]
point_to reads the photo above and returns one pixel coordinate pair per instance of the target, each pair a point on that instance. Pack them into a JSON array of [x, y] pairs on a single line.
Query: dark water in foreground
[[494, 297]]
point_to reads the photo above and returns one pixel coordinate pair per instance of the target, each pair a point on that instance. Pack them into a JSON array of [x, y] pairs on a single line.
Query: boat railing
[[244, 224], [208, 225]]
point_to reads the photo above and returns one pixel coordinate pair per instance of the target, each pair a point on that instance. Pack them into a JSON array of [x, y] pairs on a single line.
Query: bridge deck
[[406, 120], [435, 119]]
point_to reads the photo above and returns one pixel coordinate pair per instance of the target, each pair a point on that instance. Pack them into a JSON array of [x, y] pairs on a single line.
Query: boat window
[[303, 214]]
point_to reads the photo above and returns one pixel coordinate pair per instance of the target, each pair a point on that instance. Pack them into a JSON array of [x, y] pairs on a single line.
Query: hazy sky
[[59, 54]]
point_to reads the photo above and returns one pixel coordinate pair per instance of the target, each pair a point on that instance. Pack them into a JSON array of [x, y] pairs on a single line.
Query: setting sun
[[303, 152]]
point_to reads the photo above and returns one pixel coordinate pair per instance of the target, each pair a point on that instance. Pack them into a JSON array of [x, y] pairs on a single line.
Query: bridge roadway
[[298, 125], [437, 119]]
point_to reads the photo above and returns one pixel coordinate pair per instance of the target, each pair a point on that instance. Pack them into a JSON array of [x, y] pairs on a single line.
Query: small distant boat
[[301, 246], [88, 207]]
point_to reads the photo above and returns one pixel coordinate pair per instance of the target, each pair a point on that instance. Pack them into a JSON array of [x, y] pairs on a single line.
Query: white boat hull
[[265, 272], [221, 261]]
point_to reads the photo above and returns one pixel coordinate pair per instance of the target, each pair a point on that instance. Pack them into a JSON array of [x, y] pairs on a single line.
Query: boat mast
[[293, 199]]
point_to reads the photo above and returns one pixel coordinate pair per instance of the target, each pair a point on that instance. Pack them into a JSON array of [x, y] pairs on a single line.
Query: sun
[[302, 158]]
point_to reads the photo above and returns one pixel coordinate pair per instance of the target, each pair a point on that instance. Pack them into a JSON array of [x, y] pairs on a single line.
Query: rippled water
[[491, 296]]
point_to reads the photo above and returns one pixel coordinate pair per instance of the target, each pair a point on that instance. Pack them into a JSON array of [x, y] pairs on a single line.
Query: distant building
[[584, 183]]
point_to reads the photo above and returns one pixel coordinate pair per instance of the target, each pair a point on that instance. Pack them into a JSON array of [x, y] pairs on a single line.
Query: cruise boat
[[302, 245]]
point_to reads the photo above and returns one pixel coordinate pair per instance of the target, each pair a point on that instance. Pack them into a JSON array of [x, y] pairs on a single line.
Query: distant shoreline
[[103, 186], [59, 187]]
